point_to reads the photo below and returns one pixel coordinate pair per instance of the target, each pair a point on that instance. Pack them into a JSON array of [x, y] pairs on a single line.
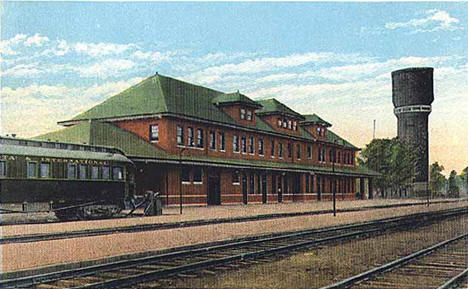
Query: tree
[[395, 161], [453, 189], [437, 179]]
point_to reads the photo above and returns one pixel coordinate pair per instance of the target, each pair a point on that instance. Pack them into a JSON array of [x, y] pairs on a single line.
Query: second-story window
[[285, 123], [309, 152], [330, 155], [294, 125], [244, 144], [222, 142], [289, 150], [251, 145], [249, 115], [212, 140], [242, 113], [199, 138], [289, 124], [260, 147], [273, 148], [298, 151], [280, 150], [190, 140], [154, 132], [235, 144], [280, 122], [180, 135]]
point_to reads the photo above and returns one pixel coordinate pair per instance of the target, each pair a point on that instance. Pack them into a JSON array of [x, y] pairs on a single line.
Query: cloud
[[435, 20], [106, 68], [101, 49], [35, 109], [6, 46], [22, 70], [36, 40]]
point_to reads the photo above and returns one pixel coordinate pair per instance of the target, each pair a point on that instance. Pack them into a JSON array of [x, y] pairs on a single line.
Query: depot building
[[220, 148]]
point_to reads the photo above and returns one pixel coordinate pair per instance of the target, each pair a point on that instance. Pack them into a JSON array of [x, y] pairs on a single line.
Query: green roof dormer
[[274, 107], [235, 98], [315, 119]]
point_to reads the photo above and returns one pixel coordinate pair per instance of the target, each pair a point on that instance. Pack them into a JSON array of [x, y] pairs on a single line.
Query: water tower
[[412, 94]]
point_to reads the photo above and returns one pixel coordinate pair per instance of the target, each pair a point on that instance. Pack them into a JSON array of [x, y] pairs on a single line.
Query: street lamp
[[334, 183], [180, 176]]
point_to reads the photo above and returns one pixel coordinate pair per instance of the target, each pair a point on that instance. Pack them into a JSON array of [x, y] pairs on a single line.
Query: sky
[[330, 58]]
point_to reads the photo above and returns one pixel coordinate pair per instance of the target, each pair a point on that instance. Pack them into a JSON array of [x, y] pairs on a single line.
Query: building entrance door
[[244, 188], [214, 188]]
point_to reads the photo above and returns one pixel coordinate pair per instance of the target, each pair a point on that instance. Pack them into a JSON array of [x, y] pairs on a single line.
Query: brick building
[[220, 148]]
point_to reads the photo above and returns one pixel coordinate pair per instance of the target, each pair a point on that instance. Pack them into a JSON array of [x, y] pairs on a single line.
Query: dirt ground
[[319, 267]]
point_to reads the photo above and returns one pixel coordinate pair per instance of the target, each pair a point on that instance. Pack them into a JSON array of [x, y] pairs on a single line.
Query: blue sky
[[334, 59]]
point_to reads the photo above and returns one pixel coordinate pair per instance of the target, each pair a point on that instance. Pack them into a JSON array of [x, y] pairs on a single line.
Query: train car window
[[2, 168], [82, 172], [117, 173], [44, 170], [95, 172], [32, 170], [71, 171], [105, 172]]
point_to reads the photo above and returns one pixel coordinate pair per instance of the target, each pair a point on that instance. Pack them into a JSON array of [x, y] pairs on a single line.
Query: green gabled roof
[[273, 106], [313, 118], [235, 98], [78, 134], [334, 138]]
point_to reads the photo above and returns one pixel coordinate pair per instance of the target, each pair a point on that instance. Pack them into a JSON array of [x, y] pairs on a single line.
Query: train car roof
[[9, 149]]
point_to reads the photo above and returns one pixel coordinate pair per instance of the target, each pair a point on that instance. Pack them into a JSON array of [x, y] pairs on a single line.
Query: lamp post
[[180, 176], [334, 183]]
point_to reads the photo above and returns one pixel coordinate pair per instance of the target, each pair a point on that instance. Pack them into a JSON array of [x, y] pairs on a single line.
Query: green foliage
[[437, 179], [394, 160], [453, 189]]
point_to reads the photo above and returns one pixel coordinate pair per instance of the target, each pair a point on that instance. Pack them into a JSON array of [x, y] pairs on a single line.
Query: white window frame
[[154, 134]]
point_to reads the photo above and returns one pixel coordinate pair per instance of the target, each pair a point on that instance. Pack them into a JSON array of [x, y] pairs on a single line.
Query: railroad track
[[173, 225], [230, 253], [441, 266]]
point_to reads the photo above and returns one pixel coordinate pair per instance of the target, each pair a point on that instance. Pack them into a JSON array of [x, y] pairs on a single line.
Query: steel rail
[[452, 283], [372, 227], [391, 265], [171, 225]]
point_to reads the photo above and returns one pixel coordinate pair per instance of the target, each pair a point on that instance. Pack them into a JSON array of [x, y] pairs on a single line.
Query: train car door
[[214, 188]]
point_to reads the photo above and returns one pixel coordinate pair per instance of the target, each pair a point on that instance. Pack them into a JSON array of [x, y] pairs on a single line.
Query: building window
[[249, 115], [235, 178], [309, 152], [117, 173], [197, 176], [260, 147], [2, 168], [289, 150], [319, 130], [252, 183], [242, 113], [244, 144], [190, 140], [200, 138], [338, 157], [82, 172], [273, 148], [105, 172], [298, 151], [71, 171], [280, 122], [285, 123], [289, 124], [294, 125], [185, 176], [251, 145], [212, 140], [44, 170], [94, 172], [32, 170], [222, 142], [307, 182], [235, 143], [280, 150], [180, 135], [154, 132], [330, 155]]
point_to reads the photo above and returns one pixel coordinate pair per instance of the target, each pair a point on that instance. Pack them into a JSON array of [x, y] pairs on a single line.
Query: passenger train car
[[79, 181]]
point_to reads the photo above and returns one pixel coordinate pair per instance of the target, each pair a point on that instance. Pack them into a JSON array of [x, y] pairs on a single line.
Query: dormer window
[[319, 130], [242, 113], [249, 115]]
